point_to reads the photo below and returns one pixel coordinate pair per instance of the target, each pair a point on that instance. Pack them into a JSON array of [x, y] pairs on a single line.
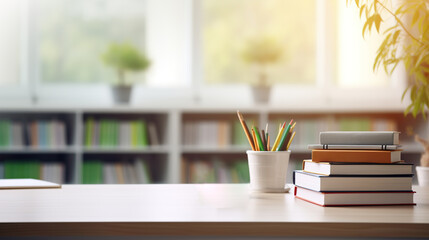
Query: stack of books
[[355, 168]]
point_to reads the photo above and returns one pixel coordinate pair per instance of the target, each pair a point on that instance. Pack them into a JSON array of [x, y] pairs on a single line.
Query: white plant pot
[[261, 94], [423, 175]]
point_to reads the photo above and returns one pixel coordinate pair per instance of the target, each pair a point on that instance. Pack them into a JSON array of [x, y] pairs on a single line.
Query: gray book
[[363, 147], [359, 138]]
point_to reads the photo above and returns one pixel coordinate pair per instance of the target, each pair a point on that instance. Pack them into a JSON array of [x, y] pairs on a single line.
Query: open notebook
[[25, 183]]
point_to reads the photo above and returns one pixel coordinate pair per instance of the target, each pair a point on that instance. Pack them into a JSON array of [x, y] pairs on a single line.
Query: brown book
[[362, 156]]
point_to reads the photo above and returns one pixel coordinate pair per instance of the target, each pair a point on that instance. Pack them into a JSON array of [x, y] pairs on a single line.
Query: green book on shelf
[[144, 135], [109, 133], [22, 169], [89, 132], [242, 170], [4, 132], [104, 133], [92, 172], [134, 133], [139, 134]]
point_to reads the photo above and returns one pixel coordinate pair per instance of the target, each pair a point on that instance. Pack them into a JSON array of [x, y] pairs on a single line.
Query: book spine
[[353, 156]]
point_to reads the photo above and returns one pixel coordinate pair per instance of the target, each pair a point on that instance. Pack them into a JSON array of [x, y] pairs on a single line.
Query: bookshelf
[[174, 144]]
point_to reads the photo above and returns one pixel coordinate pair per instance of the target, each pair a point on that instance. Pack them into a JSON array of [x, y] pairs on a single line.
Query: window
[[51, 49], [10, 43], [355, 55], [230, 27], [72, 35]]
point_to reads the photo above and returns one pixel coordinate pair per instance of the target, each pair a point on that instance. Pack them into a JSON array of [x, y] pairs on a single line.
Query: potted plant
[[262, 51], [423, 169], [406, 42], [123, 58]]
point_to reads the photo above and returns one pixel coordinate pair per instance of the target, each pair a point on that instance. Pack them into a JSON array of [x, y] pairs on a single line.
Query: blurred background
[[138, 91]]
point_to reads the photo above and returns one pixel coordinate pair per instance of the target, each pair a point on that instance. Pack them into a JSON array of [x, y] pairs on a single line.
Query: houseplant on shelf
[[407, 43], [262, 51], [124, 58]]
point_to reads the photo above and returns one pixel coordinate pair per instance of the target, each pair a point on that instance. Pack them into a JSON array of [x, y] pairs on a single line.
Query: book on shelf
[[217, 171], [22, 169], [49, 171], [341, 183], [11, 134], [333, 199], [340, 168], [359, 137], [116, 172], [202, 172], [153, 134], [47, 133], [368, 156], [92, 172], [207, 133], [356, 147], [52, 172], [115, 133]]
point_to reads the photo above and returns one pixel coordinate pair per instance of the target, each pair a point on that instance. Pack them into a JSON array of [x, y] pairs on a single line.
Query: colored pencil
[[290, 141], [258, 138], [268, 142], [254, 140], [264, 142], [246, 130], [289, 135], [276, 142], [283, 139]]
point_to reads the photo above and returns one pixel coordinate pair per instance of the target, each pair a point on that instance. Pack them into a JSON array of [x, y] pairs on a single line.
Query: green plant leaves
[[400, 45], [124, 57]]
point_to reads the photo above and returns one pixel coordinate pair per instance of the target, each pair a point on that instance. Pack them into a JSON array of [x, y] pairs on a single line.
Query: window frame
[[189, 51]]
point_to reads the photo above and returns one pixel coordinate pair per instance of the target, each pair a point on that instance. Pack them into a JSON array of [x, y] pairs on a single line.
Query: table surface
[[197, 210]]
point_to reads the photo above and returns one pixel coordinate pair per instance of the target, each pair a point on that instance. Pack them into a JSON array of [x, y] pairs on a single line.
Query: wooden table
[[197, 210]]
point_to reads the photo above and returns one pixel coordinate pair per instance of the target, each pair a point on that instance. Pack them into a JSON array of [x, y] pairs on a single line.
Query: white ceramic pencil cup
[[268, 170]]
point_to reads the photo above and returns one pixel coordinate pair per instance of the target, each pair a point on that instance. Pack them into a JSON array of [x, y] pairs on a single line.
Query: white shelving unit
[[171, 154]]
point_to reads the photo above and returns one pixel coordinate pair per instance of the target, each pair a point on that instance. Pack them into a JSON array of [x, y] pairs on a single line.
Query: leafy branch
[[407, 42]]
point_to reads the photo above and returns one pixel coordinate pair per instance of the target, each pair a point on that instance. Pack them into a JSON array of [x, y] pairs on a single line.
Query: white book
[[327, 199], [109, 173], [17, 134], [338, 168], [142, 171], [338, 183]]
